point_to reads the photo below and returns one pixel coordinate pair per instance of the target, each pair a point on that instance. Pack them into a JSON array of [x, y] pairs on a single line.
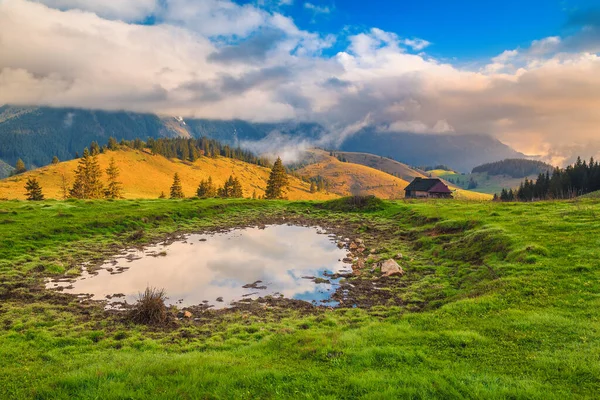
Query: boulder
[[399, 256], [390, 268], [187, 314], [360, 264], [341, 245], [359, 241], [353, 246]]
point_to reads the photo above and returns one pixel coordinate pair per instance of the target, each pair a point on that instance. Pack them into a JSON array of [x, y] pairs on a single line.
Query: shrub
[[355, 203], [150, 308]]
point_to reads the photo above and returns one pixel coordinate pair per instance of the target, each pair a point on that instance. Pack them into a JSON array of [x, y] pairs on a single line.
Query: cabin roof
[[428, 185]]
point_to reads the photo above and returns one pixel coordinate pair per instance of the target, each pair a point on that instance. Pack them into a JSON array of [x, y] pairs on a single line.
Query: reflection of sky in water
[[279, 256]]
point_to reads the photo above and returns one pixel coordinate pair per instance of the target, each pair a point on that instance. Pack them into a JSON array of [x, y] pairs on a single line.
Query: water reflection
[[275, 260]]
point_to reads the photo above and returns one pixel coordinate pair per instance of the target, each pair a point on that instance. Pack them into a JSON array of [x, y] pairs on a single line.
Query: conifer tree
[[20, 167], [34, 191], [254, 195], [176, 189], [114, 190], [94, 178], [112, 143], [313, 187], [278, 181], [55, 160], [162, 195], [236, 189], [206, 189], [232, 188], [94, 149], [64, 187], [88, 184]]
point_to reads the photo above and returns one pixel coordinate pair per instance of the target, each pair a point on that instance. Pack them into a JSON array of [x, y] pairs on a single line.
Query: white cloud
[[128, 10], [416, 44], [317, 9], [218, 59]]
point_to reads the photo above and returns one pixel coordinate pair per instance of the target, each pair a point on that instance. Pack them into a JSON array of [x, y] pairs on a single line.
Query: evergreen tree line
[[232, 188], [470, 184], [192, 149], [515, 168], [563, 183], [88, 182]]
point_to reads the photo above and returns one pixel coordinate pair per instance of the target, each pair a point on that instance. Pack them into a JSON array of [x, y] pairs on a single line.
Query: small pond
[[217, 269]]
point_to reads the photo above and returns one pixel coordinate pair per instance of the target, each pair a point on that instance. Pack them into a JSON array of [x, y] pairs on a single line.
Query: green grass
[[500, 300], [489, 184]]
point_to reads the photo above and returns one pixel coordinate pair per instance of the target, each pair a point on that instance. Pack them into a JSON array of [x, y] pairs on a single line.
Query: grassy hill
[[145, 176], [498, 301], [355, 176], [346, 178], [384, 164], [487, 183]]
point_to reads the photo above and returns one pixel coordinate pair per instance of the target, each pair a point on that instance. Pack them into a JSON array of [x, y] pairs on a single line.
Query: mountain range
[[37, 134]]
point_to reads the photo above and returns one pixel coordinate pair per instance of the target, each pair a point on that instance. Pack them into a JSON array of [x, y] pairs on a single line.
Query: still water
[[218, 269]]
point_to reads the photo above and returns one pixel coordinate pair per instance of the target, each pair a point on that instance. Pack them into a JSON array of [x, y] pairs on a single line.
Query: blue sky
[[459, 29]]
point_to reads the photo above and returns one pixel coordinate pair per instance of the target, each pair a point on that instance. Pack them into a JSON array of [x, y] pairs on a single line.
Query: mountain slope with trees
[[575, 180], [37, 134], [145, 175], [461, 152], [515, 168]]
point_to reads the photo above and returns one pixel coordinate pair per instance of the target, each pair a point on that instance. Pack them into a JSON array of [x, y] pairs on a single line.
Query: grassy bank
[[499, 300]]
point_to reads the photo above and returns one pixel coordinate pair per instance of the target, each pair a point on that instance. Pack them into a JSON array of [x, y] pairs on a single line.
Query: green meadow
[[499, 301]]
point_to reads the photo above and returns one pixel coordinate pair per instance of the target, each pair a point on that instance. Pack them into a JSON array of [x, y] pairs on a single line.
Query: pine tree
[[64, 187], [20, 167], [112, 143], [94, 178], [34, 191], [55, 160], [176, 189], [162, 195], [313, 187], [206, 189], [94, 149], [88, 184], [278, 181], [254, 195], [114, 190], [236, 189]]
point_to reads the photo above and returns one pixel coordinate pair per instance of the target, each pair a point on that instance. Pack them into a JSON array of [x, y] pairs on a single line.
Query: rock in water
[[390, 268]]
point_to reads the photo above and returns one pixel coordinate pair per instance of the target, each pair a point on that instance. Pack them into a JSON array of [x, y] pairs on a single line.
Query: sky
[[526, 72]]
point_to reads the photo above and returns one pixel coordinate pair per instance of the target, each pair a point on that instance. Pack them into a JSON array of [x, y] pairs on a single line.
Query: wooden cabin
[[428, 188]]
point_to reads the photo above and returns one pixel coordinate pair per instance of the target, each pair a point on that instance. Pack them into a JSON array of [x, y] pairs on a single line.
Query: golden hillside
[[384, 164], [356, 177], [145, 176], [346, 178]]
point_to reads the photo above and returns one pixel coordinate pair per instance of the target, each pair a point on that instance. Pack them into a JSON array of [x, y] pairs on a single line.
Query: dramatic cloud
[[219, 59]]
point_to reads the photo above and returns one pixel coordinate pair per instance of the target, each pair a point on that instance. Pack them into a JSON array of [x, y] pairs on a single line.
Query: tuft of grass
[[355, 203], [150, 308], [477, 245]]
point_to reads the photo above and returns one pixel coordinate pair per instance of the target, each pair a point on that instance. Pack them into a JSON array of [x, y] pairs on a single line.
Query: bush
[[150, 308], [354, 203]]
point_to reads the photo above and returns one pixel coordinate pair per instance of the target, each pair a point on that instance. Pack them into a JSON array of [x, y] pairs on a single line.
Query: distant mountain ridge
[[515, 168], [36, 134], [461, 152]]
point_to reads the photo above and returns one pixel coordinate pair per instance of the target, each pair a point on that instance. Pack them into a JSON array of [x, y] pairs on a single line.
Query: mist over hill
[[461, 152], [36, 134]]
